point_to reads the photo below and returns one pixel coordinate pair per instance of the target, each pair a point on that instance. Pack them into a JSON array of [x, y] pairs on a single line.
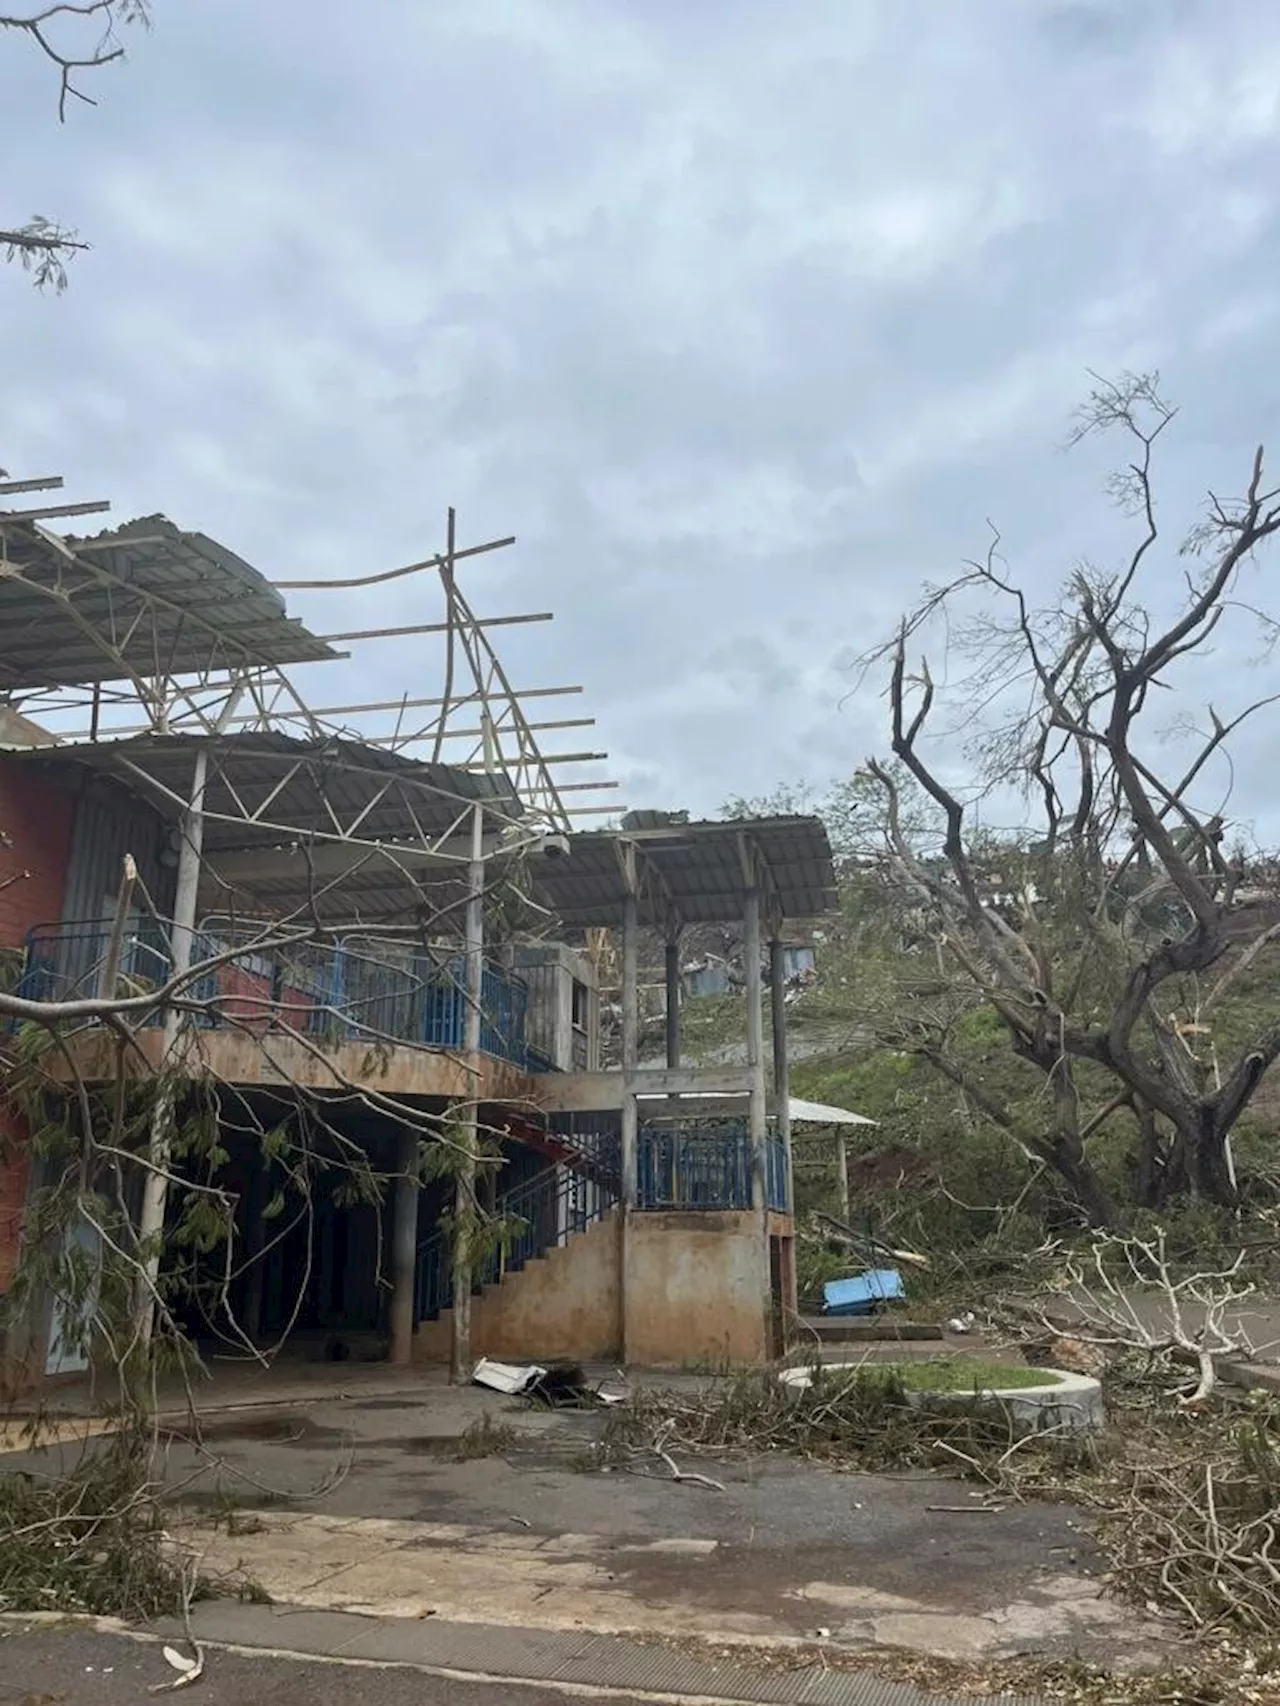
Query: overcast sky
[[743, 315]]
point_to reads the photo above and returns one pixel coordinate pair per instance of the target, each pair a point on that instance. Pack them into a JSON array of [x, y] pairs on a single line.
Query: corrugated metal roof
[[144, 598], [697, 869], [264, 788], [824, 1113]]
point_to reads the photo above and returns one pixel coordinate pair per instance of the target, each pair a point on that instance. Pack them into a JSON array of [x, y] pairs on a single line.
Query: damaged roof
[[696, 873], [142, 600], [332, 825]]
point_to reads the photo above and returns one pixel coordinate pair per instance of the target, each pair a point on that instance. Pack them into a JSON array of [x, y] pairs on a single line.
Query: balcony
[[707, 1169], [352, 990]]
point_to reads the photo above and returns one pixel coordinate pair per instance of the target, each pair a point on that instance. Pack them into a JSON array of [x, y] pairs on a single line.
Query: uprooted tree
[[1110, 940], [73, 37]]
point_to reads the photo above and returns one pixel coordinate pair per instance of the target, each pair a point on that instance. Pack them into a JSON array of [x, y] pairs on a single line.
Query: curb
[[573, 1660]]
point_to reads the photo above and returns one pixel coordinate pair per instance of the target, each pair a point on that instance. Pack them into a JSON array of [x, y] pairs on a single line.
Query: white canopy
[[820, 1113]]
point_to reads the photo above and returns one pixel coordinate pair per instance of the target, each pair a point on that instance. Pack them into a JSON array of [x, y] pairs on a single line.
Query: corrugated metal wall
[[108, 824]]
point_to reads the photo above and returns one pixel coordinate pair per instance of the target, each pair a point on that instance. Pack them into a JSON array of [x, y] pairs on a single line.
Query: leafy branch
[[43, 247]]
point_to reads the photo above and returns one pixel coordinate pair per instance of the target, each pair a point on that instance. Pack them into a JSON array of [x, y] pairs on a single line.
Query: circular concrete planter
[[1062, 1403]]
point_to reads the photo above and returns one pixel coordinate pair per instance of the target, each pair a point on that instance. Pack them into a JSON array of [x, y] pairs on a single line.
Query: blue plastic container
[[862, 1294]]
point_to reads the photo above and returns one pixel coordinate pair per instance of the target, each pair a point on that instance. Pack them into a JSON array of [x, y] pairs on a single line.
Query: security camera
[[554, 846]]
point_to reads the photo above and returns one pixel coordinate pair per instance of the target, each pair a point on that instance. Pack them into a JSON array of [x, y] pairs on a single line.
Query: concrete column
[[672, 968], [630, 1111], [781, 1067], [404, 1248], [757, 1128], [466, 1127], [255, 1266], [842, 1173], [155, 1190]]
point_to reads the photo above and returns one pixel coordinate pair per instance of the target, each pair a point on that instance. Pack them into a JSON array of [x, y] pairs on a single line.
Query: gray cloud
[[745, 318]]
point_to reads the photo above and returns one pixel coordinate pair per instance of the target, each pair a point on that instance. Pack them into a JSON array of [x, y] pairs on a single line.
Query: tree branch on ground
[[1125, 1296]]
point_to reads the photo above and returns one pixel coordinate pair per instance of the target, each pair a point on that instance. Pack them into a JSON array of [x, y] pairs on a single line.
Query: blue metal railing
[[348, 989], [537, 1216], [709, 1168], [778, 1197]]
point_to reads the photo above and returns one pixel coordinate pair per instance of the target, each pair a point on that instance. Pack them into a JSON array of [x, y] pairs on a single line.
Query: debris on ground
[[509, 1377], [1186, 1504], [1074, 1356], [865, 1244], [558, 1386], [189, 1669]]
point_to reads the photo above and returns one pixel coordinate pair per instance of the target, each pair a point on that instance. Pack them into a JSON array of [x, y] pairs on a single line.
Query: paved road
[[1256, 1319], [380, 1515], [72, 1667]]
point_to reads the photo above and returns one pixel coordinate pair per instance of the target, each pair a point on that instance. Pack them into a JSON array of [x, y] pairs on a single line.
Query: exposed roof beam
[[439, 561], [48, 511], [45, 483], [245, 867], [439, 627], [515, 760]]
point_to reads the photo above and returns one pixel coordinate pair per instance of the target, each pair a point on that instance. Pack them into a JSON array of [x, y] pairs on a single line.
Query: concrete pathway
[[685, 1585], [380, 1516], [366, 1505], [373, 1504]]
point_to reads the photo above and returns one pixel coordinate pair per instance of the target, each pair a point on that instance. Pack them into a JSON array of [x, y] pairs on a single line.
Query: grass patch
[[949, 1374]]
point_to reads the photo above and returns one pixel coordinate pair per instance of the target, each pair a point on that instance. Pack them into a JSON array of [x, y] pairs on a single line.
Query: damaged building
[[383, 946]]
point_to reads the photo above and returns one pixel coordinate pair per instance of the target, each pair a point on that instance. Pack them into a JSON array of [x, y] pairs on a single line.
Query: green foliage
[[88, 1541]]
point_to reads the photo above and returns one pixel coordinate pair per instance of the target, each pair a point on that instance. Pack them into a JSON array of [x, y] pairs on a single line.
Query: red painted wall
[[36, 820], [35, 845]]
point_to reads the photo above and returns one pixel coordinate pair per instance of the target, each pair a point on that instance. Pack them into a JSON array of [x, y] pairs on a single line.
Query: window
[[579, 1011]]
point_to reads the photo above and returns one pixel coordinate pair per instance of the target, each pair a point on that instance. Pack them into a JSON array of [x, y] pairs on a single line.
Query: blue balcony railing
[[356, 988], [709, 1168]]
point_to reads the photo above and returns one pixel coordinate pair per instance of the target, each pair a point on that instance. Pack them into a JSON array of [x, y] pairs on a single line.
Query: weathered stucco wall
[[562, 1305], [697, 1289]]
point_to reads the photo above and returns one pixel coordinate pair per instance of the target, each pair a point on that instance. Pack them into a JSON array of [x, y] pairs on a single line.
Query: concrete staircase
[[562, 1303]]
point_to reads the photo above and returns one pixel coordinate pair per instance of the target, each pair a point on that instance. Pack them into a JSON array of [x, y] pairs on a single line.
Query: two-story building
[[384, 955]]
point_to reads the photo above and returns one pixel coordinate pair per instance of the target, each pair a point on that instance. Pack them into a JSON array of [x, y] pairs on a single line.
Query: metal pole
[[630, 1110], [673, 1000], [155, 1190], [630, 1052], [757, 1130], [781, 1066], [467, 1127]]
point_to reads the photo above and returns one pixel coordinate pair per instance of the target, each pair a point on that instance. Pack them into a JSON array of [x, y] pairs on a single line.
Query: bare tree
[[43, 247], [1107, 934]]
